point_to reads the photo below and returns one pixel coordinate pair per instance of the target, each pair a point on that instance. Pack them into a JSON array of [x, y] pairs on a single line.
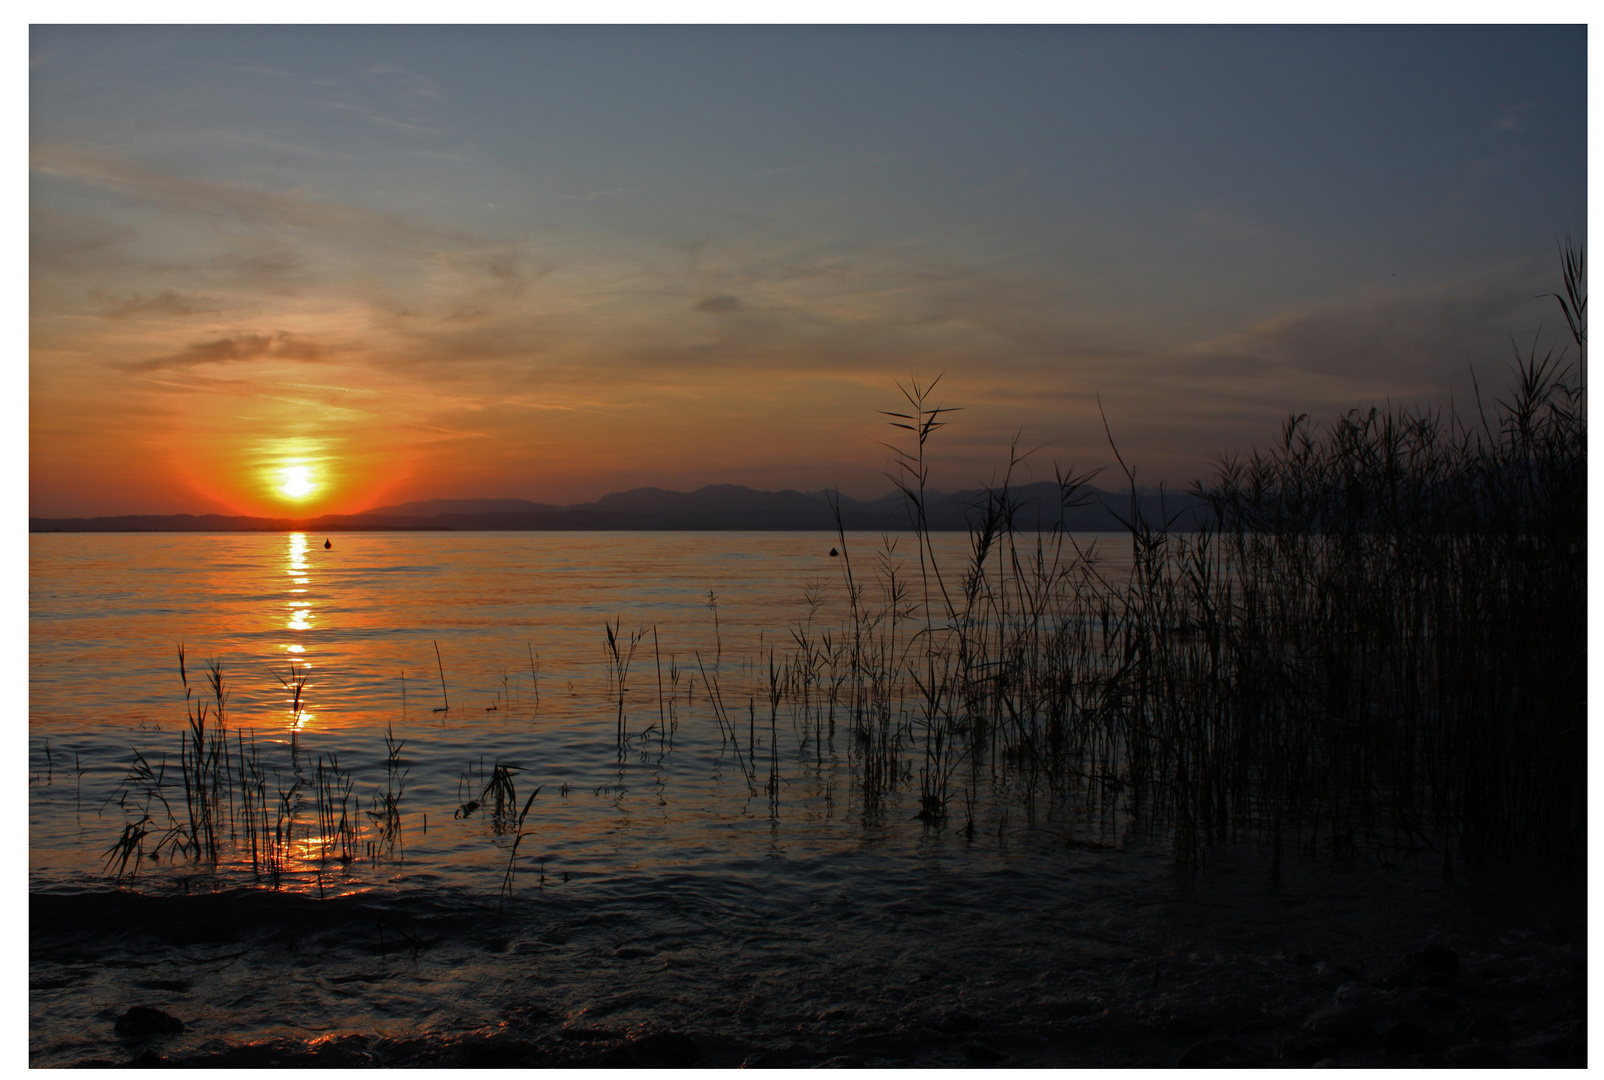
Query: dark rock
[[584, 1034], [1407, 1037], [844, 1061], [662, 1050], [343, 1052], [149, 1060], [497, 1052], [980, 1054], [1070, 1008], [1493, 967], [760, 1060], [955, 1022], [1479, 1024], [1358, 995], [631, 952], [1432, 966], [1218, 1054], [177, 986], [1186, 1027], [790, 1056], [1306, 1047], [1549, 1044], [1572, 1008], [1519, 988], [1392, 980], [141, 1022], [1341, 1023], [1437, 958], [1477, 1056], [1559, 1040], [1254, 1027]]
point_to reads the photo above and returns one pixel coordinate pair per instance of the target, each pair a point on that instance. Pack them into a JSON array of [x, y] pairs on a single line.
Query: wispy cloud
[[1398, 341], [601, 193], [165, 303], [239, 347], [61, 241], [234, 201]]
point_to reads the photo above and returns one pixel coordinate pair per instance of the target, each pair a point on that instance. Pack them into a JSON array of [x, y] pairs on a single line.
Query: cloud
[[590, 195], [404, 127], [280, 346], [262, 267], [402, 80], [243, 203], [1395, 341], [719, 305], [59, 241], [167, 302]]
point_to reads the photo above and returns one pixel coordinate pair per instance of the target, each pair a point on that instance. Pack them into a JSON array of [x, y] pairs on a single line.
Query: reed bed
[[1375, 638]]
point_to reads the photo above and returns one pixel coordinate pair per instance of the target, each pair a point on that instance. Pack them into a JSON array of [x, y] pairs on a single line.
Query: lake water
[[715, 870], [522, 676]]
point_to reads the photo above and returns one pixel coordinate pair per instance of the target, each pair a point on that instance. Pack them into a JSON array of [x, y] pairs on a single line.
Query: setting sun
[[297, 482]]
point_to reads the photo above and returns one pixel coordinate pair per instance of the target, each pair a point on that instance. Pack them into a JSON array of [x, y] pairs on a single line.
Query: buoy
[[834, 553], [327, 544]]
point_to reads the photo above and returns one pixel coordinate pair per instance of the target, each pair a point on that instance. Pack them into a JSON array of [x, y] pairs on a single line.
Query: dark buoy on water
[[834, 553], [327, 543]]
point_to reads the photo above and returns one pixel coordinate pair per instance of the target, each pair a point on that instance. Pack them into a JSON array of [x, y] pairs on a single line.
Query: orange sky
[[553, 263]]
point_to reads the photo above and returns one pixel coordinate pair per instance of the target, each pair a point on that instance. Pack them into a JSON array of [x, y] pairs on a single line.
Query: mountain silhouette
[[717, 507]]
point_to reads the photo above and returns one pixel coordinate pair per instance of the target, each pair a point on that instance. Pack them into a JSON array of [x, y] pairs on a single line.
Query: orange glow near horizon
[[286, 477]]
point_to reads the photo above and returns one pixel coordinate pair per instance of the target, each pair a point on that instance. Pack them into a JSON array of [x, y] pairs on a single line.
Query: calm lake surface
[[655, 887], [519, 620]]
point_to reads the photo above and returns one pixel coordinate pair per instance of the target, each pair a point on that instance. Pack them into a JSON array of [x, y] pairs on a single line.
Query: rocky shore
[[1333, 968]]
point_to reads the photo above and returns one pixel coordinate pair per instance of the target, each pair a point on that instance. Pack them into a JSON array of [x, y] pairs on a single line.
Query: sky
[[305, 269]]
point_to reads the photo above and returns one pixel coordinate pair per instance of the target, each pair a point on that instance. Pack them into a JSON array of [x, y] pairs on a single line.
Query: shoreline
[[1226, 968]]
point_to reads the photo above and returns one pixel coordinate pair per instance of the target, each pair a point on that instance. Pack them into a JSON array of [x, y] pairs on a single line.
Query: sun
[[297, 481]]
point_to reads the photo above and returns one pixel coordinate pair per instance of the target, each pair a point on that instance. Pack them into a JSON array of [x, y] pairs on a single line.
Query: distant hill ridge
[[712, 508]]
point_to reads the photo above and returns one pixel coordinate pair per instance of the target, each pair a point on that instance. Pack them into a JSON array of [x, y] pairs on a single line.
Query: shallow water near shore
[[657, 889], [521, 678]]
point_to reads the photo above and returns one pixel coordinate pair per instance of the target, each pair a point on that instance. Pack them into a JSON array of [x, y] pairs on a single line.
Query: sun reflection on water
[[300, 621]]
